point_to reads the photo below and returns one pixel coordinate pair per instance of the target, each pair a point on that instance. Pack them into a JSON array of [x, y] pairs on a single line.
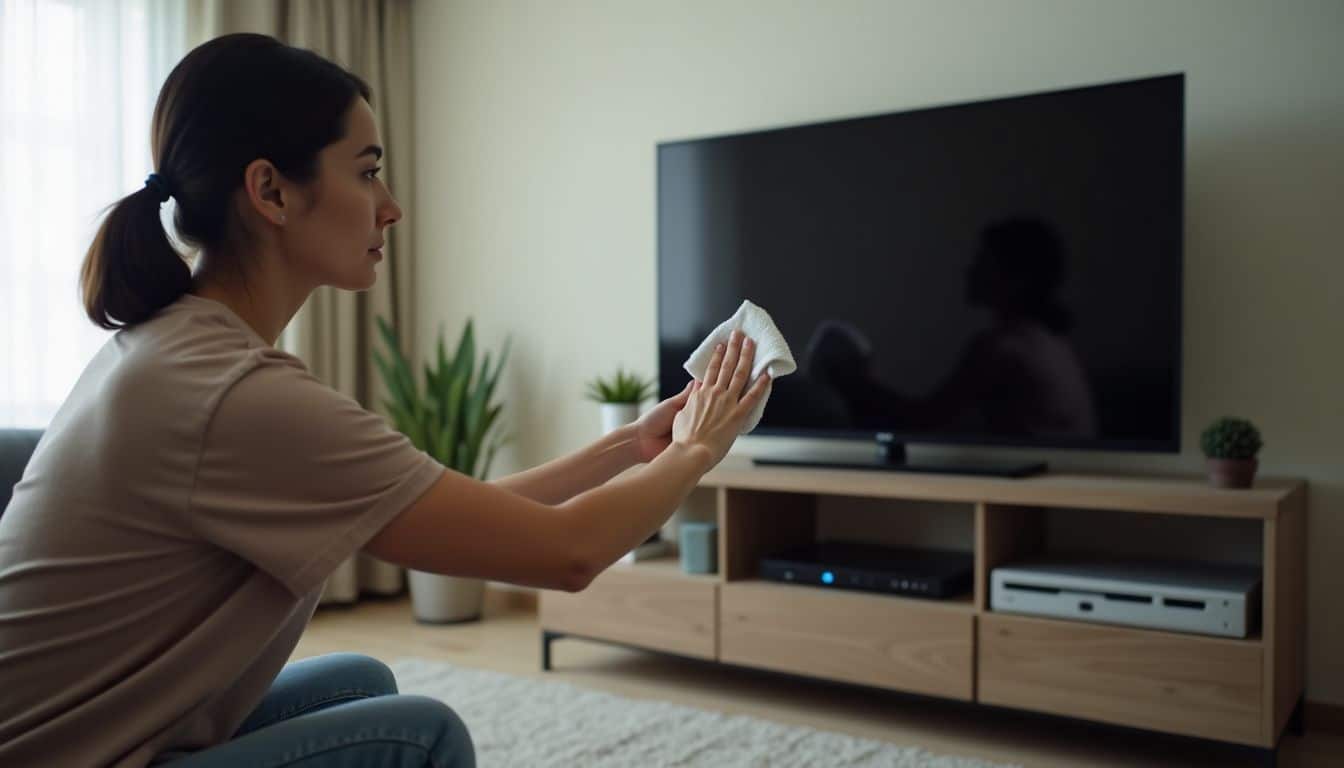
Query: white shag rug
[[518, 721]]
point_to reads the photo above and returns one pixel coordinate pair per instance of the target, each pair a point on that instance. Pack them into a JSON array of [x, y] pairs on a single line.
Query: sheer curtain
[[78, 80]]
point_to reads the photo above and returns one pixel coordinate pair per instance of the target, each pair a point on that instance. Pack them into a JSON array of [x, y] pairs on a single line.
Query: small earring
[[282, 218]]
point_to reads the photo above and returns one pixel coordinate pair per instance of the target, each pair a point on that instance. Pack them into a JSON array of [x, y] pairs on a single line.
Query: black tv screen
[[1002, 272]]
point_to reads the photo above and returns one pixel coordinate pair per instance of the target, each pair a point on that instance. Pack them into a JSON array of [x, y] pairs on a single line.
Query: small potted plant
[[619, 397], [454, 419], [1230, 446]]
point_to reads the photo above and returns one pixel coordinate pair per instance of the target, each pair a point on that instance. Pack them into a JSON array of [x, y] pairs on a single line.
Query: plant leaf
[[386, 374], [453, 427], [464, 363]]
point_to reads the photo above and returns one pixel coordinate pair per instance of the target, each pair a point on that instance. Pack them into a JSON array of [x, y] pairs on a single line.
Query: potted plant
[[619, 397], [1230, 446], [451, 420]]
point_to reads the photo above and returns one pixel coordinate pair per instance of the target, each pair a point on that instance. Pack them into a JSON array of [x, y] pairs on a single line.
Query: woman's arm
[[562, 479], [464, 527]]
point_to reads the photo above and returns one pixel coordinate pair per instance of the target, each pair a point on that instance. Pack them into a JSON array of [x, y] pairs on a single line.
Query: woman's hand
[[653, 430], [719, 406]]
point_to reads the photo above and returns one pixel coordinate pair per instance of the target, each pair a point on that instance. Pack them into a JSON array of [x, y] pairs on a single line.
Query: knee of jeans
[[452, 747], [366, 673]]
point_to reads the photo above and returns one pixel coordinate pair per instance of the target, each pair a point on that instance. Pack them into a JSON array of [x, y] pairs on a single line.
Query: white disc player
[[1185, 597]]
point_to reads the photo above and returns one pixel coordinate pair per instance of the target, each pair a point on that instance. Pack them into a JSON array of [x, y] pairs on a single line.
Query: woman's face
[[337, 235]]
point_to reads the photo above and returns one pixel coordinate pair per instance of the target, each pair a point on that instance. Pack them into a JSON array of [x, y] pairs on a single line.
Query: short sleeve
[[295, 477]]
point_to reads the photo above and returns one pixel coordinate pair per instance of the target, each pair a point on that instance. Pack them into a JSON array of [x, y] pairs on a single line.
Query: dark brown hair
[[229, 101]]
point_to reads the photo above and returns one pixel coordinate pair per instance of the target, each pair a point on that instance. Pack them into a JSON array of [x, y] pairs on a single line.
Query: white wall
[[535, 133]]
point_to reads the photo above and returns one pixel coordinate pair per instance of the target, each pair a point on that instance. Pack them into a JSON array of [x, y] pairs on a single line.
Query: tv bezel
[[1172, 445]]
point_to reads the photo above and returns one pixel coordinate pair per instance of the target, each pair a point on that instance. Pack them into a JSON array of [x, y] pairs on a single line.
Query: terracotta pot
[[1232, 473]]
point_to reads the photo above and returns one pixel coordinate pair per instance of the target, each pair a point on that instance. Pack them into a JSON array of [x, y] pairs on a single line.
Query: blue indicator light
[[827, 577]]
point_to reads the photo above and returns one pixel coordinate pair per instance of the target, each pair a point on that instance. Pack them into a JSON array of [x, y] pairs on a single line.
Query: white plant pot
[[439, 599], [617, 415]]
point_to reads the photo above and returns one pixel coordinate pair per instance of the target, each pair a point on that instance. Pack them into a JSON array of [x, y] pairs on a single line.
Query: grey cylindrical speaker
[[699, 547]]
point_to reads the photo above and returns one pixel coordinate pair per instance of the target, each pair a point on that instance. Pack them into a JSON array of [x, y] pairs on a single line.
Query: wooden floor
[[507, 640]]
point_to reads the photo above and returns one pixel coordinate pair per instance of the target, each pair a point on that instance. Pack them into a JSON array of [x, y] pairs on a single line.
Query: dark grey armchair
[[16, 447]]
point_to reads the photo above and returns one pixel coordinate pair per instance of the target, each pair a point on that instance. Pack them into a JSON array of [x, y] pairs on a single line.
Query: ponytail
[[131, 270]]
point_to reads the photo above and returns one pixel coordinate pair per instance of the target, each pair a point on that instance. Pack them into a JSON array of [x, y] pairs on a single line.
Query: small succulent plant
[[1229, 438], [622, 387]]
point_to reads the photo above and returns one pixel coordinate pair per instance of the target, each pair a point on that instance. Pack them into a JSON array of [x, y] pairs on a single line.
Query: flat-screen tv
[[1003, 272]]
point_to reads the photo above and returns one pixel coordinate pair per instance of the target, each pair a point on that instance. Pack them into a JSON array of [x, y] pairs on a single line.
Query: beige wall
[[535, 142]]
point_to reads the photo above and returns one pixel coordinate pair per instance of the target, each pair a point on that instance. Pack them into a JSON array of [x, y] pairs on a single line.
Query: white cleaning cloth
[[772, 352]]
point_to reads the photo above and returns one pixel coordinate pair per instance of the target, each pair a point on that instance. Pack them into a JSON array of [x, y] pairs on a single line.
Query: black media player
[[873, 568]]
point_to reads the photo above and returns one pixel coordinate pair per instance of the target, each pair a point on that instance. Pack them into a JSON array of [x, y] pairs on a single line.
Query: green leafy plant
[[621, 388], [454, 416], [1229, 438]]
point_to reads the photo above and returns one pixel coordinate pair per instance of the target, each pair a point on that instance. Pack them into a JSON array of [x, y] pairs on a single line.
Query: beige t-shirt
[[171, 536]]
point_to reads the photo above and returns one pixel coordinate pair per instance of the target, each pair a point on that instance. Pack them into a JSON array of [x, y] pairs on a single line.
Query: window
[[78, 80]]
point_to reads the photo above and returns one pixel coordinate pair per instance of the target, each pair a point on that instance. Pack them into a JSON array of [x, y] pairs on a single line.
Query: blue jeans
[[341, 711]]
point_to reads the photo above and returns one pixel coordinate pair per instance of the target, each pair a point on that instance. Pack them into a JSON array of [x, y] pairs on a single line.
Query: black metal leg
[[1295, 724], [546, 638]]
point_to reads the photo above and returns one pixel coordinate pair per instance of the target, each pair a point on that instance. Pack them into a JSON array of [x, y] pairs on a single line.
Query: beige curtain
[[335, 332]]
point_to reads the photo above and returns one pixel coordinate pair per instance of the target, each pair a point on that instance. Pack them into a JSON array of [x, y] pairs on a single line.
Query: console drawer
[[878, 640], [651, 607], [1193, 685]]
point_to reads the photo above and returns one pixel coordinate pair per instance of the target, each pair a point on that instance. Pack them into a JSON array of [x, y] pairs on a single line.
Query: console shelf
[[1240, 690]]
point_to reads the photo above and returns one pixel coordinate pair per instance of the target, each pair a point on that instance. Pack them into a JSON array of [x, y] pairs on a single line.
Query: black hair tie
[[160, 187]]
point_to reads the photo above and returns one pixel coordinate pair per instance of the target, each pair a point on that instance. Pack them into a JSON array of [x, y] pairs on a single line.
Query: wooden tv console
[[1244, 691]]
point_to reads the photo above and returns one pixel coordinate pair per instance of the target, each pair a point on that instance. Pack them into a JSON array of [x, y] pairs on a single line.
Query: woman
[[171, 535]]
